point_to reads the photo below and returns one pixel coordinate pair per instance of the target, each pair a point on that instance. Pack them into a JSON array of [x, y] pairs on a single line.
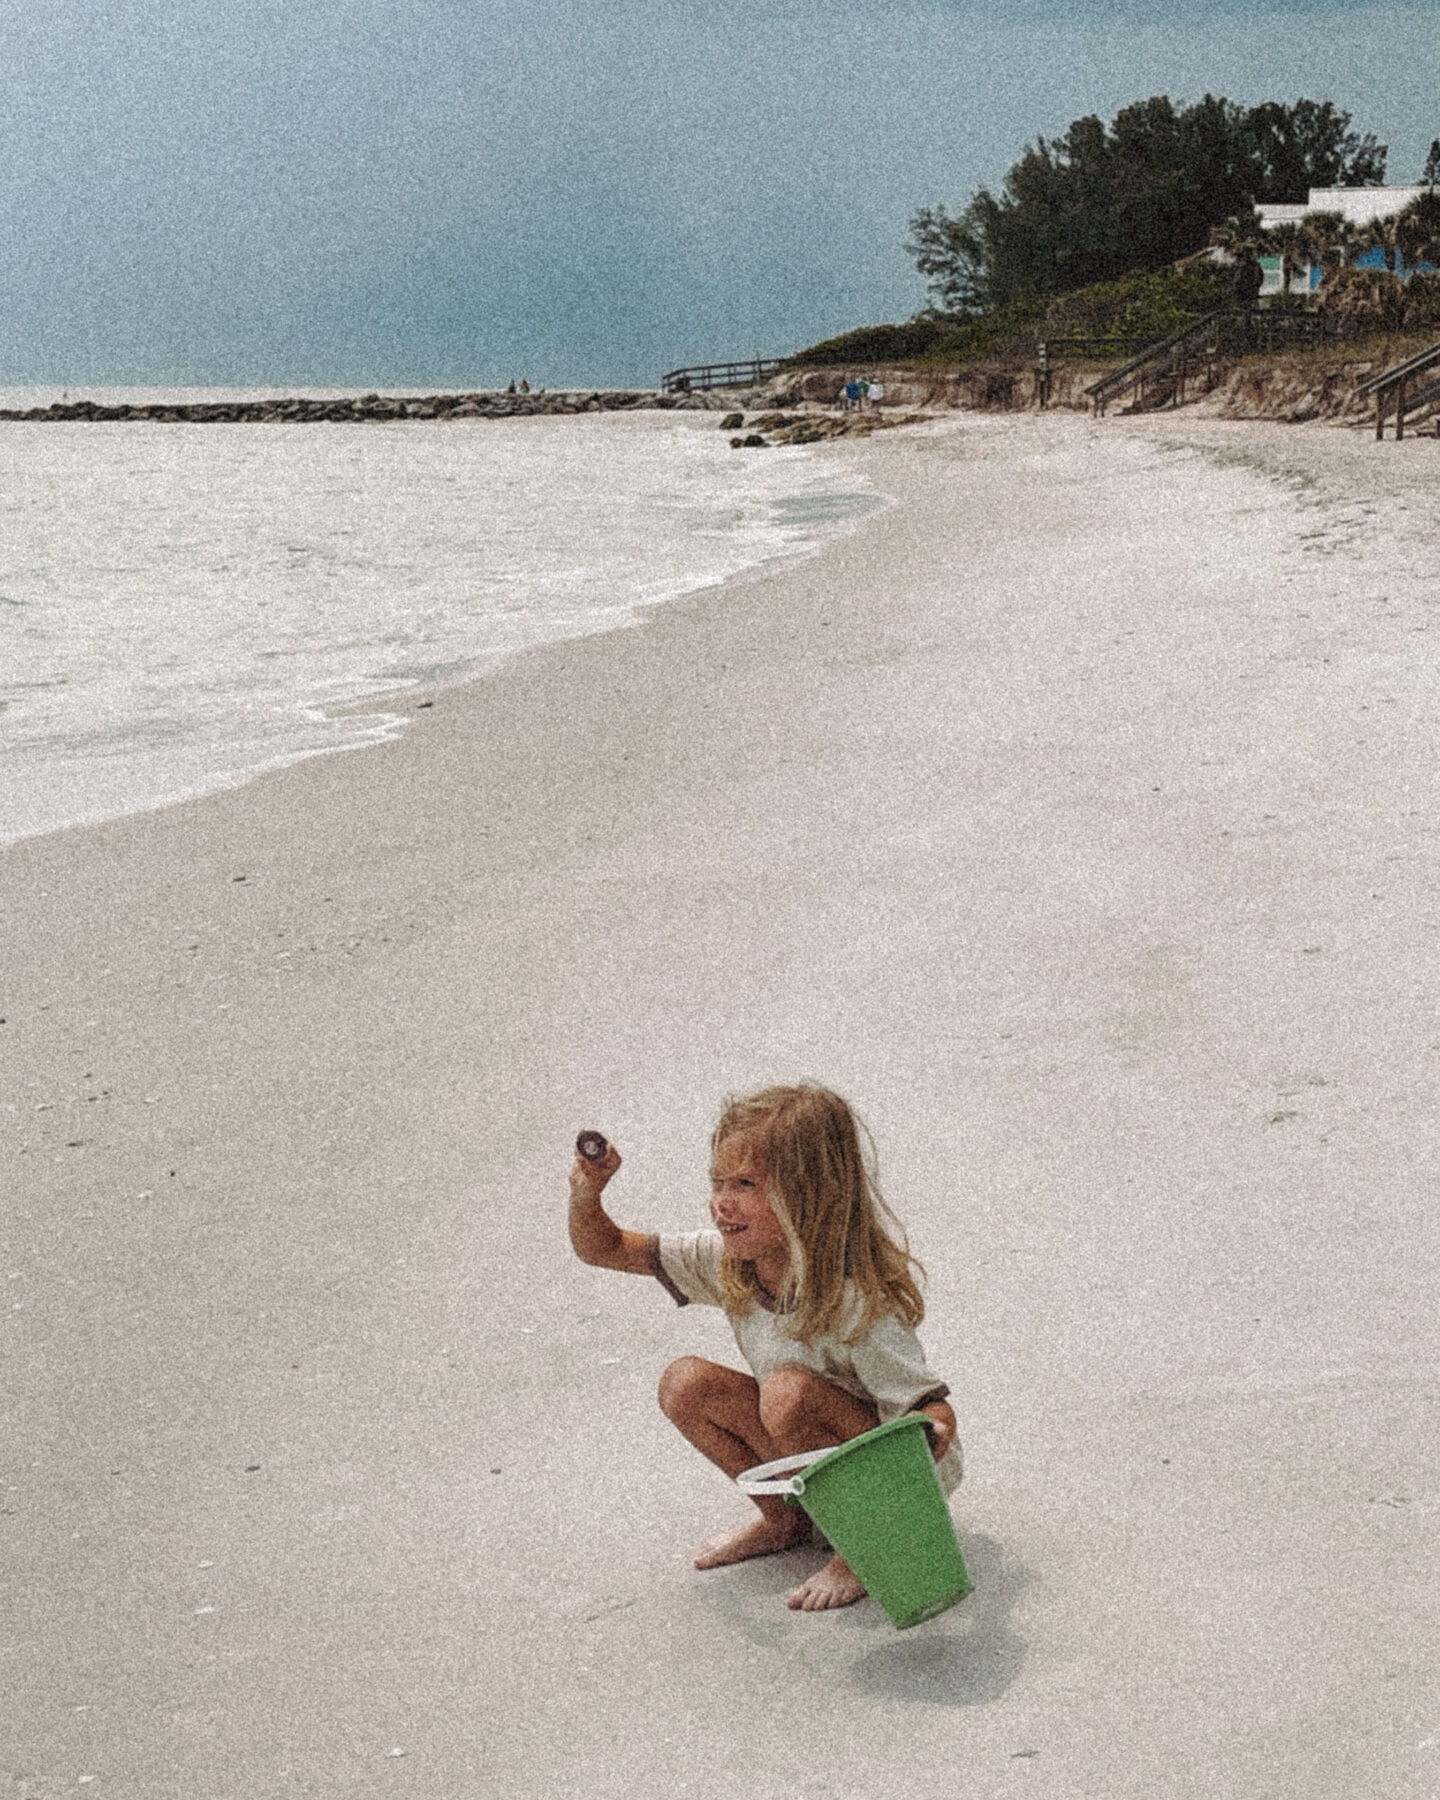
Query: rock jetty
[[371, 407]]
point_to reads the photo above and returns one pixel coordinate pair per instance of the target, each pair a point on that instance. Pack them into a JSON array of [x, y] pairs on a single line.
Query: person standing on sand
[[821, 1297], [863, 390], [852, 394], [1246, 279]]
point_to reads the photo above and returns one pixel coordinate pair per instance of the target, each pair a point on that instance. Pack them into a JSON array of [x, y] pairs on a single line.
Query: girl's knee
[[790, 1397], [682, 1384], [796, 1404]]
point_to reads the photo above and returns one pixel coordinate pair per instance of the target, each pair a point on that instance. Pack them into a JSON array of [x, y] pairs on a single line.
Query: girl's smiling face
[[745, 1218]]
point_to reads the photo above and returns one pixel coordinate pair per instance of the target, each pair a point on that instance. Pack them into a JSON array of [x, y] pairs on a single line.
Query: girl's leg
[[718, 1410], [800, 1410]]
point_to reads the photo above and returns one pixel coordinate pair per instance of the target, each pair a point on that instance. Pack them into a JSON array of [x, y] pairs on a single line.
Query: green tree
[[1430, 174], [1327, 238], [1383, 234], [1244, 230], [1290, 149], [1098, 201], [1416, 230], [951, 255], [1288, 241]]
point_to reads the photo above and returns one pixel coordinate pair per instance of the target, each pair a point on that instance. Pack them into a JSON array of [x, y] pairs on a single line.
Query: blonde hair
[[844, 1241]]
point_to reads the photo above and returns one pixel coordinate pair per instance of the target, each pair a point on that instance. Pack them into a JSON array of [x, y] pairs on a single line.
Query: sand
[[1077, 818]]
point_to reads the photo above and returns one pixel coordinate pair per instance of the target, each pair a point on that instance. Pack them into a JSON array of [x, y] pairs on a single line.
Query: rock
[[732, 422], [822, 386]]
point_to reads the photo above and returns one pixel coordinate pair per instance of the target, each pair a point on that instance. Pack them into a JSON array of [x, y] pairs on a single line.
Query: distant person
[[852, 394], [1247, 279], [877, 393], [863, 385], [524, 385], [511, 388], [812, 1273]]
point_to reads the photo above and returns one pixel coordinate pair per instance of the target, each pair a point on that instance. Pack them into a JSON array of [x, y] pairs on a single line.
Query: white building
[[1357, 205]]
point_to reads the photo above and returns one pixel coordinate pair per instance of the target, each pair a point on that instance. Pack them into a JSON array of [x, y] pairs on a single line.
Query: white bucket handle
[[764, 1478]]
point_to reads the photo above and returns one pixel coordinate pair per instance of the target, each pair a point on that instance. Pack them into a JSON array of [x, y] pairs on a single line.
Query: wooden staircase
[[1394, 391], [1158, 375]]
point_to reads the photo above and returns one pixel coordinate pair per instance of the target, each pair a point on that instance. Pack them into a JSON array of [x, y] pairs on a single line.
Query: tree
[[1430, 174], [1416, 230], [950, 254], [1288, 242], [1382, 234], [1328, 238], [1098, 201], [1241, 231], [1291, 149]]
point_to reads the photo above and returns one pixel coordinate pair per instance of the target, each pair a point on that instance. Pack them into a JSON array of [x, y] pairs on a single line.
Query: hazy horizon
[[201, 195]]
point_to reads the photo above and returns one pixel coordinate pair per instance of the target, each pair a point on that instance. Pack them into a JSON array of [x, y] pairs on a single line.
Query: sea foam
[[185, 606]]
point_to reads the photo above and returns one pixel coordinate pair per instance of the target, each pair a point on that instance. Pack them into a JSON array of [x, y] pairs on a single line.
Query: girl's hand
[[588, 1179], [594, 1235], [943, 1419]]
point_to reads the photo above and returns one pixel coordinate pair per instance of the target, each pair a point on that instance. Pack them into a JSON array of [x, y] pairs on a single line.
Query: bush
[[1010, 330], [1136, 308], [1139, 307], [929, 338], [1367, 302], [878, 343]]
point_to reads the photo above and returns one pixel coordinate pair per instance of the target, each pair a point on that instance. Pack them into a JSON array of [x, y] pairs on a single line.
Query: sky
[[452, 193]]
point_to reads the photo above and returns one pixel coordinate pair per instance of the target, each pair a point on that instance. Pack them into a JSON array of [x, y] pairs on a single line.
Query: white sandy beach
[[1077, 818]]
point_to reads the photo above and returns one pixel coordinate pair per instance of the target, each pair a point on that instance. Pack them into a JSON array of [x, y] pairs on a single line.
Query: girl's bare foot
[[834, 1585], [762, 1537]]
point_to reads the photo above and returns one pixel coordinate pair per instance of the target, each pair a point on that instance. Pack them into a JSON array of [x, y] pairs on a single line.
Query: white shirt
[[886, 1367]]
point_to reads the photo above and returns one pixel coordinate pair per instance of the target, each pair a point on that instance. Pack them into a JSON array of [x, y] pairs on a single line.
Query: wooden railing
[[719, 375], [1169, 356], [1392, 387], [1244, 333], [1222, 333], [1089, 349]]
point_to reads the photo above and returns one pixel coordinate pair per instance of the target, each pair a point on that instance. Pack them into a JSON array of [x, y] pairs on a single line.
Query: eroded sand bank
[[1077, 818]]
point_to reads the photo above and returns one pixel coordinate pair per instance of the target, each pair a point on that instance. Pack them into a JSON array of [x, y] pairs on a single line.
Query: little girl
[[821, 1297]]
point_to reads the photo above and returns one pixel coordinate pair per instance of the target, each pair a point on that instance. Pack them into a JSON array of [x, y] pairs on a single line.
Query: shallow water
[[184, 606]]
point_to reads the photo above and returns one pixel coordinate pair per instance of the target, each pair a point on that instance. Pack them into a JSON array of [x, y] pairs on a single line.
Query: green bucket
[[879, 1501]]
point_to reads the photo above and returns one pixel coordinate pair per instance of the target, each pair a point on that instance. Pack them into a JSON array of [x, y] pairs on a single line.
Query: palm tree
[[1243, 231], [1380, 234], [1328, 238], [1417, 230], [1289, 242]]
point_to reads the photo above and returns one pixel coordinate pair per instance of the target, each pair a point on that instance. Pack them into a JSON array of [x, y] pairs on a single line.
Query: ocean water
[[185, 606]]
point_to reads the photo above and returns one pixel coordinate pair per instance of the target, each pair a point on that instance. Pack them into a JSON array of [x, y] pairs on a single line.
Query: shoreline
[[1074, 816], [760, 517]]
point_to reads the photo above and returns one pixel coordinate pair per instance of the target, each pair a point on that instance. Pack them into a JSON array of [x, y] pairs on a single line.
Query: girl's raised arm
[[594, 1235]]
